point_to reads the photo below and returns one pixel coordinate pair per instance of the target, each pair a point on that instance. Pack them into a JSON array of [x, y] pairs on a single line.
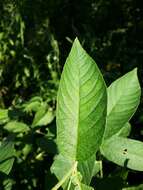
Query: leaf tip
[[77, 42], [135, 70]]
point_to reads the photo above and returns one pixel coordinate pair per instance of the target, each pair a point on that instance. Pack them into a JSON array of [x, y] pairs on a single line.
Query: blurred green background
[[35, 39]]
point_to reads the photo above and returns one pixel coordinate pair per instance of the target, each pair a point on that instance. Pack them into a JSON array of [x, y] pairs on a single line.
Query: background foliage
[[35, 39]]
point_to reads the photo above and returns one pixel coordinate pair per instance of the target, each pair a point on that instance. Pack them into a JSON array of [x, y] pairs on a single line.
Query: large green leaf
[[81, 106], [6, 156], [123, 100], [124, 152]]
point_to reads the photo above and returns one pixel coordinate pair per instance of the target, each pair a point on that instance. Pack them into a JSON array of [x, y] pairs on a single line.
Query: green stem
[[101, 169], [69, 185]]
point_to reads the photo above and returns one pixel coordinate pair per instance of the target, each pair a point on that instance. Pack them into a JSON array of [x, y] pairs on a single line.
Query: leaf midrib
[[76, 153]]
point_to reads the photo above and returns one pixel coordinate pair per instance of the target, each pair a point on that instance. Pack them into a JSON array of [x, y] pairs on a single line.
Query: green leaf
[[96, 167], [16, 127], [7, 184], [124, 152], [81, 106], [123, 100], [4, 116], [6, 156]]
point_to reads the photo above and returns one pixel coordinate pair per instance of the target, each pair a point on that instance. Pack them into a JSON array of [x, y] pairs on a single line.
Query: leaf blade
[[123, 100], [124, 152], [81, 104]]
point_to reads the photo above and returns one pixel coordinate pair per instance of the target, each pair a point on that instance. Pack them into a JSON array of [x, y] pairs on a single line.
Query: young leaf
[[81, 106], [123, 100], [124, 152], [6, 156]]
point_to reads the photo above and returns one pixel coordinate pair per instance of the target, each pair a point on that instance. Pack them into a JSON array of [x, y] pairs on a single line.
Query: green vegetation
[[83, 114], [42, 148]]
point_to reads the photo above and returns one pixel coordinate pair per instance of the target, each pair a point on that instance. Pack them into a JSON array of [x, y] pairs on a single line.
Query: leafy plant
[[92, 126], [91, 117]]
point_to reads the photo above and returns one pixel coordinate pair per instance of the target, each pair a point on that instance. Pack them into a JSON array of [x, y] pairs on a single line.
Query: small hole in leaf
[[125, 151]]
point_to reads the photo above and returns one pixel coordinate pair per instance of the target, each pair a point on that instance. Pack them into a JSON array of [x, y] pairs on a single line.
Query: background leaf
[[43, 117], [6, 156], [3, 116], [16, 127]]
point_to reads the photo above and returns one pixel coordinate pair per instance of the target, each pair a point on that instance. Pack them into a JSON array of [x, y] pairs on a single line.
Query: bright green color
[[123, 100], [124, 152], [81, 116], [81, 113], [81, 106]]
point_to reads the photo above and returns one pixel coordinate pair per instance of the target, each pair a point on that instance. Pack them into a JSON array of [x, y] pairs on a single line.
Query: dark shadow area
[[112, 183]]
